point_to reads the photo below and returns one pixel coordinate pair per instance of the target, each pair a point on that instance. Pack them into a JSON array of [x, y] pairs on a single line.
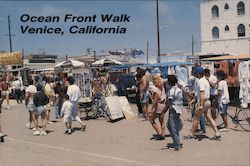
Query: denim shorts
[[39, 110], [145, 97], [223, 108]]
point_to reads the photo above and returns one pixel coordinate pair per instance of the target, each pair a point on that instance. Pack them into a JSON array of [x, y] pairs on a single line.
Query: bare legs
[[208, 116], [160, 129]]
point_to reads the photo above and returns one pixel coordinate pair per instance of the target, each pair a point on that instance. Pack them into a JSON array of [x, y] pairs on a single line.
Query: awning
[[227, 57]]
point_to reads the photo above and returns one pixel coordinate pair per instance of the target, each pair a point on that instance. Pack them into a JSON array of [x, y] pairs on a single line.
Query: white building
[[225, 27]]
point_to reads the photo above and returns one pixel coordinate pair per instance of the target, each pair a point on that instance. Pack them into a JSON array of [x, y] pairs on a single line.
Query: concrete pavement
[[122, 143]]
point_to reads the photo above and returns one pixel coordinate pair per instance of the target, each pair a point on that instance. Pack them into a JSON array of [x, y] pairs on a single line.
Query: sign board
[[129, 114], [11, 58], [114, 107]]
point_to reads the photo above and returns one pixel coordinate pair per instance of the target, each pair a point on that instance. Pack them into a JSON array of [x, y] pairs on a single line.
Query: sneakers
[[223, 130], [68, 131], [8, 107], [189, 137], [50, 122], [36, 133], [34, 129], [28, 125], [43, 133], [175, 148], [160, 137], [216, 137]]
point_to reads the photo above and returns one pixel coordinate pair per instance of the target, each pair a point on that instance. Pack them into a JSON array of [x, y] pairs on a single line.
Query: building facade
[[225, 27]]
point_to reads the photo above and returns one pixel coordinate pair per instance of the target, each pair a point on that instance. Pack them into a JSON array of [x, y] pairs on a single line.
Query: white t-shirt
[[203, 85], [175, 95], [67, 108], [31, 89], [213, 80], [16, 84], [74, 93], [224, 97]]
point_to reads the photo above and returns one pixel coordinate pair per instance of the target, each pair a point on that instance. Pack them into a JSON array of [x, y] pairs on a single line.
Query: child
[[223, 98], [175, 105], [66, 112]]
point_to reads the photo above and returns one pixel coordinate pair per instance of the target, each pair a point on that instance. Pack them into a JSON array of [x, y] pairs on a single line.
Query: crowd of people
[[155, 96], [205, 93], [41, 96]]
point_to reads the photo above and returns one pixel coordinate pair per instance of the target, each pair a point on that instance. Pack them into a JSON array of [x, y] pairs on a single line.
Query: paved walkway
[[121, 143]]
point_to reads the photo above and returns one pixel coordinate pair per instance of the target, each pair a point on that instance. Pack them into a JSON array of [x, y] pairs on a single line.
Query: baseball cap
[[199, 70]]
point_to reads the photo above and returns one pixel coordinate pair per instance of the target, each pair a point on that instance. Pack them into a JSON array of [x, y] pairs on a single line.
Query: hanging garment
[[182, 75], [243, 80], [171, 70]]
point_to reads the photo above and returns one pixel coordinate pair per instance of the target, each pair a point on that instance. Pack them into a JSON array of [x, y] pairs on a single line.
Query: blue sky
[[179, 20]]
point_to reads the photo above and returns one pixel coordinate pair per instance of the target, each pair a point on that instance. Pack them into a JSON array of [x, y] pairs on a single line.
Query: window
[[215, 32], [215, 11], [241, 30], [226, 28], [241, 8], [226, 7]]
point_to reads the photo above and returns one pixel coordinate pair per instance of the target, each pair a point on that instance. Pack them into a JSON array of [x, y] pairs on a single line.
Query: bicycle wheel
[[93, 111], [243, 119], [82, 113]]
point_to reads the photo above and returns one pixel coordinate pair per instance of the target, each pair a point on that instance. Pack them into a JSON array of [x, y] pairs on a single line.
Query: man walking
[[74, 94], [203, 104], [17, 90]]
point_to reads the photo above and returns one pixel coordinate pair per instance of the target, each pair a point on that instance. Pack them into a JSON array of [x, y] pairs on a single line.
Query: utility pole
[[147, 51], [94, 55], [10, 35], [192, 45], [158, 34], [22, 57]]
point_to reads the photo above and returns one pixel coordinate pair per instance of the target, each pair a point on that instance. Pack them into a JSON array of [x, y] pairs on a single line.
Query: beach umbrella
[[107, 61], [70, 63]]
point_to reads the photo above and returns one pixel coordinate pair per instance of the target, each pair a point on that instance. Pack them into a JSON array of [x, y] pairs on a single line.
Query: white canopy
[[107, 61], [70, 63]]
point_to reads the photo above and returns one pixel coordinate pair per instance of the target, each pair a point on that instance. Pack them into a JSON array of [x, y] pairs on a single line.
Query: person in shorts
[[143, 86], [4, 87], [30, 92], [1, 134], [223, 98], [66, 113], [159, 107], [40, 100], [74, 93], [203, 104], [48, 90]]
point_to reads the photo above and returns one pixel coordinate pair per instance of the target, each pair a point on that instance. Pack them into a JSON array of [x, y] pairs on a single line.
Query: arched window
[[241, 30], [226, 28], [226, 7], [215, 32], [215, 11], [241, 8]]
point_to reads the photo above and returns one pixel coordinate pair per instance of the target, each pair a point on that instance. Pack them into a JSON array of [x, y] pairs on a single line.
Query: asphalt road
[[121, 143]]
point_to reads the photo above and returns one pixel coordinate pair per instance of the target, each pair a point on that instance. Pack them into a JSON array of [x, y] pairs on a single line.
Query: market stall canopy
[[70, 63], [106, 61], [228, 57]]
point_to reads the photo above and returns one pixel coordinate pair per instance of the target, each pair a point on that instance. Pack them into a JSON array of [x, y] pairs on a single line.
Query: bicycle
[[241, 117], [96, 108]]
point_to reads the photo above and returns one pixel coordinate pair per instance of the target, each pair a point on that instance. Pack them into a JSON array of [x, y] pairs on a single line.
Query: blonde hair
[[158, 80]]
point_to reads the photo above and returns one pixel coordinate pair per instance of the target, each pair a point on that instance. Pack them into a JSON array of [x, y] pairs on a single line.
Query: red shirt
[[3, 86]]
